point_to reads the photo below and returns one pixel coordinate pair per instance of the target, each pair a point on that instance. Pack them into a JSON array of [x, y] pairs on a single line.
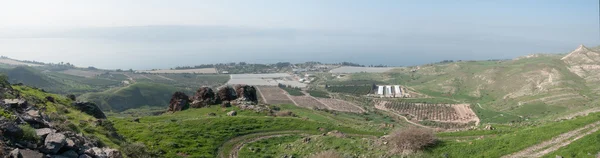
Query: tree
[[411, 139]]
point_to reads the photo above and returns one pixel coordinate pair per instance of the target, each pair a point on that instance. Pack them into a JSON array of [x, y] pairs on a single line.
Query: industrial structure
[[391, 91]]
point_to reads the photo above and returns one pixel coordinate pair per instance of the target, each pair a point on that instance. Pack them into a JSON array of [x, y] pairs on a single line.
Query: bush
[[411, 140], [135, 150], [29, 133], [327, 154], [284, 113]]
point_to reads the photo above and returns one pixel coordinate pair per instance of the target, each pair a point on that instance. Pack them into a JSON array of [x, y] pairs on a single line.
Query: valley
[[536, 106]]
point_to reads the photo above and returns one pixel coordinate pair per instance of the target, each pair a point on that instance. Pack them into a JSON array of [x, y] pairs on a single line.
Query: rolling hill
[[132, 96]]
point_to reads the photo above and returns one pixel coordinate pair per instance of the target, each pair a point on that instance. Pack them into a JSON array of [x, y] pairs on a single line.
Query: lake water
[[150, 54]]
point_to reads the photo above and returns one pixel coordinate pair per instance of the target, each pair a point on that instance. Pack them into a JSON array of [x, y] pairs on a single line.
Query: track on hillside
[[557, 142], [239, 142]]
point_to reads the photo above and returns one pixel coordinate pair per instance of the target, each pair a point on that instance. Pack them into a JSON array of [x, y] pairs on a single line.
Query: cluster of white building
[[395, 91]]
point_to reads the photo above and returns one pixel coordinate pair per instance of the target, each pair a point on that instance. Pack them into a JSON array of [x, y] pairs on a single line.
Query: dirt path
[[381, 106], [241, 141], [290, 97], [262, 95], [557, 142], [236, 149]]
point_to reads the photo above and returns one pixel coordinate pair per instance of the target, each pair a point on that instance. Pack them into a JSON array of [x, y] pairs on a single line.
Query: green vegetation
[[132, 96], [503, 142], [355, 90], [29, 133], [195, 133], [264, 148], [293, 91], [71, 118], [318, 94], [587, 146]]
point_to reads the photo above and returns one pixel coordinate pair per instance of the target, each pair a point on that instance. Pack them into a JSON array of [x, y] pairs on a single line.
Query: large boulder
[[204, 97], [179, 101], [53, 143], [43, 132], [246, 93], [225, 94], [25, 153], [10, 129], [90, 108]]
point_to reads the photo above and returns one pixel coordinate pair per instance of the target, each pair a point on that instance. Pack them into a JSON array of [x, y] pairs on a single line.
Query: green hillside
[[132, 96]]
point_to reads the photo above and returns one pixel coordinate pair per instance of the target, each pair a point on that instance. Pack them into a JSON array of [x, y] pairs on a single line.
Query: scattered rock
[[226, 104], [53, 143], [231, 113], [42, 132], [489, 127], [306, 140], [70, 154], [72, 97], [10, 129], [179, 101], [557, 156], [85, 156], [136, 120], [112, 153], [337, 134], [90, 108], [50, 99], [212, 114], [25, 153]]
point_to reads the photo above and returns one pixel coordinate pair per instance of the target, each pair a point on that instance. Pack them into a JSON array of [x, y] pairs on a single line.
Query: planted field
[[356, 90], [340, 105], [197, 71], [452, 113], [82, 73], [308, 102], [273, 95], [318, 94], [293, 91]]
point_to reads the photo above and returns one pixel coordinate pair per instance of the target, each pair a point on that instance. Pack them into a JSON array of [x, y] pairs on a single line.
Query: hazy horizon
[[156, 34]]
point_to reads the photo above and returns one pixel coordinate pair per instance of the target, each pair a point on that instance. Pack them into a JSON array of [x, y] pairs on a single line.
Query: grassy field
[[506, 140], [196, 134], [588, 146]]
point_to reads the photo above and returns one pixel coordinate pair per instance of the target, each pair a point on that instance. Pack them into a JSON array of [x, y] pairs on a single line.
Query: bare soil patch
[[274, 95]]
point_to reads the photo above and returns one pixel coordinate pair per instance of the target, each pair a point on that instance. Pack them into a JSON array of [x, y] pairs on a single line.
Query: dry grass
[[411, 140], [327, 154]]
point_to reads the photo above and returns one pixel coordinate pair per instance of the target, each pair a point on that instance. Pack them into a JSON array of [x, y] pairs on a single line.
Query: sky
[[406, 32]]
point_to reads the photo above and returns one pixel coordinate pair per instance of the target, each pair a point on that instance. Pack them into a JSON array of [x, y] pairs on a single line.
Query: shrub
[[284, 113], [411, 140], [135, 150], [29, 133], [327, 154]]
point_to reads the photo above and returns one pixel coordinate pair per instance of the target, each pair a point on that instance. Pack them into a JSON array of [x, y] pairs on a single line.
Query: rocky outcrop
[[179, 101], [225, 94], [90, 108], [53, 143], [204, 97], [246, 93], [30, 133]]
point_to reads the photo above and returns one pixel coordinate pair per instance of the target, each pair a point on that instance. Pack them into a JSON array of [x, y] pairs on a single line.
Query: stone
[[231, 113], [10, 129], [112, 153], [70, 154], [204, 97], [90, 108], [70, 143], [34, 113], [489, 127], [179, 101], [99, 153], [25, 153], [53, 143], [85, 156], [42, 132]]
